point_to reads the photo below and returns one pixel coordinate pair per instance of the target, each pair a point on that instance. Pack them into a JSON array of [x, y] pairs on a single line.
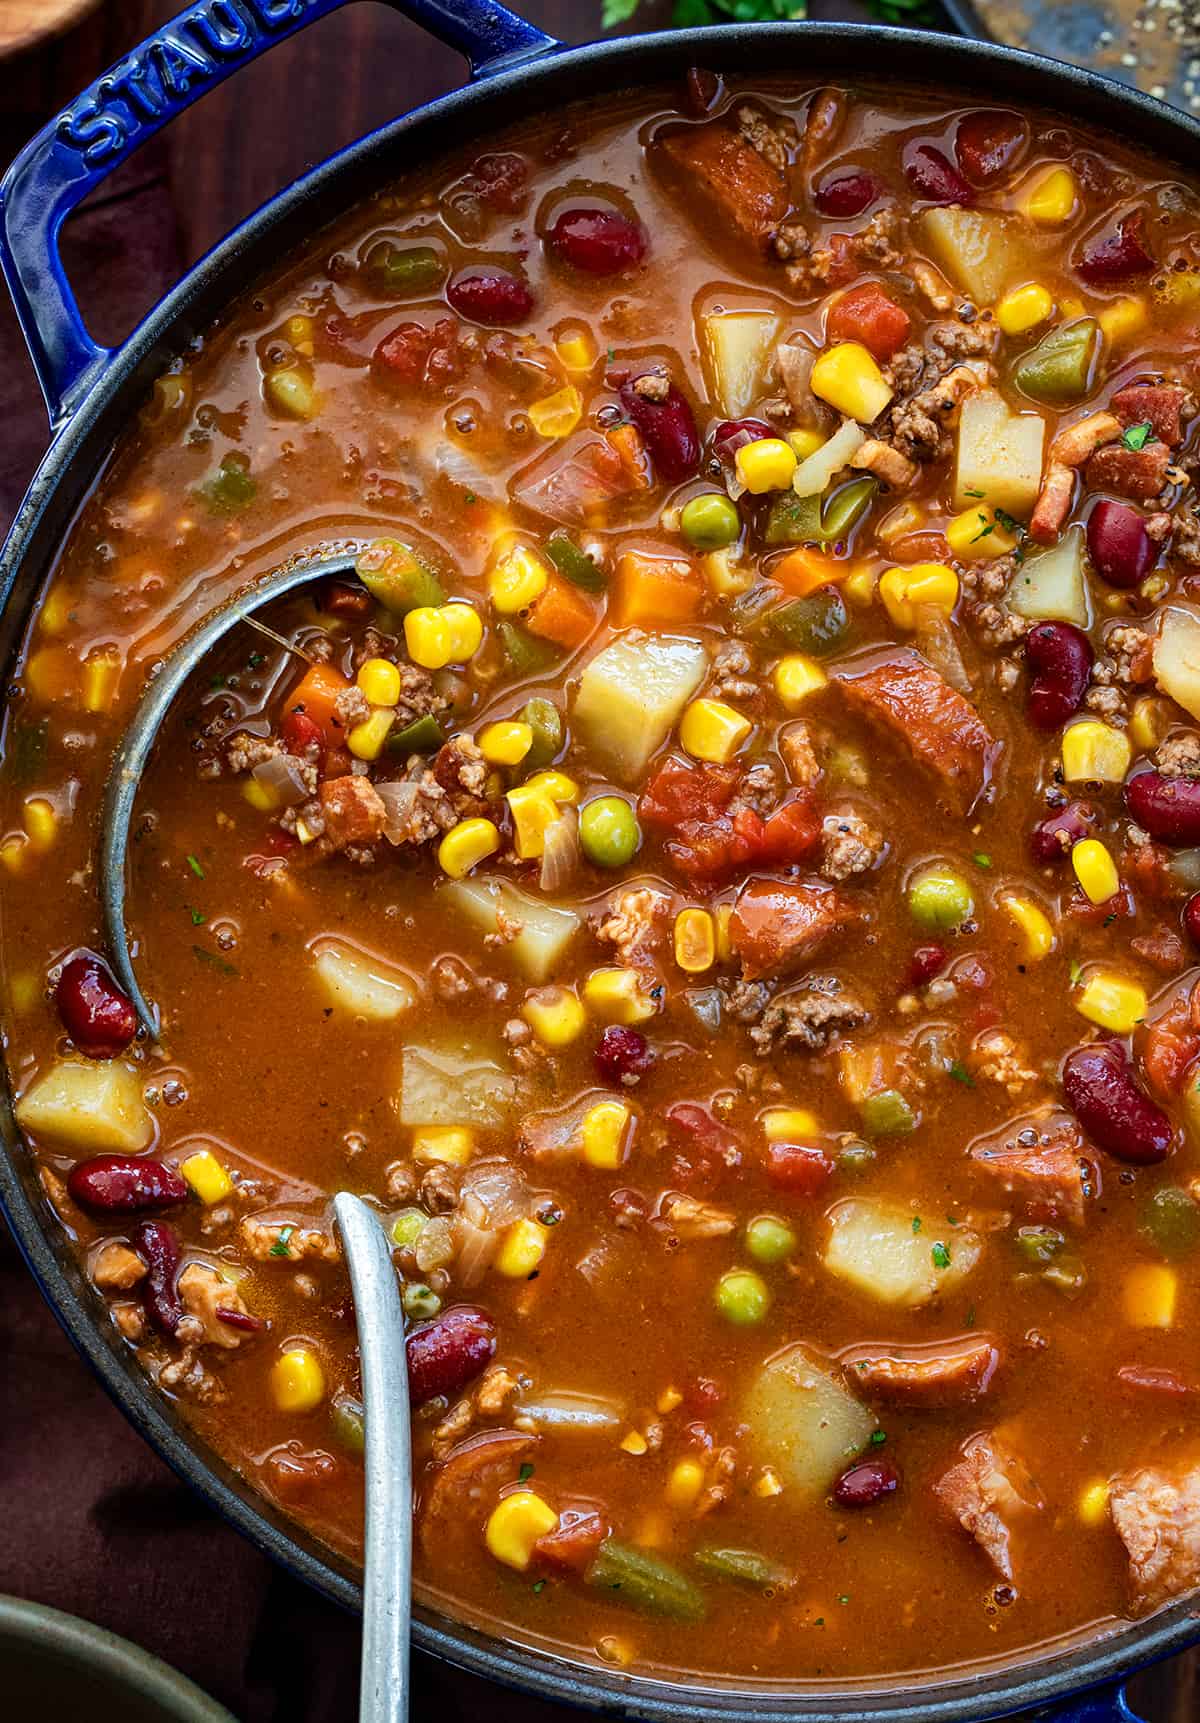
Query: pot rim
[[914, 59]]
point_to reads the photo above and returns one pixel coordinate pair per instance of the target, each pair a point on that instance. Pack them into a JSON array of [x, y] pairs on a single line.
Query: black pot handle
[[1101, 1705], [134, 99]]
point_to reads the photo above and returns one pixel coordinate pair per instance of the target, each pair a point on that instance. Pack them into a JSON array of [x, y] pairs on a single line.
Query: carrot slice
[[561, 614], [316, 696], [647, 590]]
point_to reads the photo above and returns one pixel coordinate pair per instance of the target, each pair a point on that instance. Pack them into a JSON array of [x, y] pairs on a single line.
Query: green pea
[[609, 831], [406, 1226], [710, 522], [1172, 1220], [743, 1297], [769, 1239], [347, 1419], [420, 1302], [940, 899], [887, 1114]]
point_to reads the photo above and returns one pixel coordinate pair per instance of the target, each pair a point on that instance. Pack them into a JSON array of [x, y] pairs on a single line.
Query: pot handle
[[165, 74], [1101, 1705]]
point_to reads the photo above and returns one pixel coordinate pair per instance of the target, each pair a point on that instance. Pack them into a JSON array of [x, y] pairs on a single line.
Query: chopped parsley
[[1076, 972], [941, 1255], [975, 494], [1137, 436], [198, 916], [280, 1247], [878, 1438], [987, 527], [844, 1597], [206, 956], [1009, 523], [539, 1586], [961, 1075], [916, 1223], [982, 859], [526, 1472], [255, 660], [470, 498], [195, 867], [970, 1321]]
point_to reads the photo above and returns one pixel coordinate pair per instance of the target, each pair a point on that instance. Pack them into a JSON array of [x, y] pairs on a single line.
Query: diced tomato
[[299, 732], [1119, 905], [417, 356], [573, 1542], [866, 314], [693, 1127], [679, 792], [790, 833], [1169, 1045], [843, 263], [800, 1167]]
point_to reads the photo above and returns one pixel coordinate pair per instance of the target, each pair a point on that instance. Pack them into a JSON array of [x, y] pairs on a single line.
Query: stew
[[723, 878]]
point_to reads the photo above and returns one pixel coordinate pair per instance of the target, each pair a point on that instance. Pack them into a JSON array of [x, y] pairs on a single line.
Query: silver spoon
[[129, 761], [387, 1567]]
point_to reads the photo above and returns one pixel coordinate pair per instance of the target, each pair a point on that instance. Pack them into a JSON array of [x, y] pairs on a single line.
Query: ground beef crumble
[[850, 845], [808, 1019]]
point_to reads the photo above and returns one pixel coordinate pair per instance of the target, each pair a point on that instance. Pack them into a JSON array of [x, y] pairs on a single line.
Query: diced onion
[[560, 852], [399, 797], [494, 1194], [573, 1413], [1184, 869], [281, 779], [435, 1244], [815, 471], [477, 1246], [935, 637]]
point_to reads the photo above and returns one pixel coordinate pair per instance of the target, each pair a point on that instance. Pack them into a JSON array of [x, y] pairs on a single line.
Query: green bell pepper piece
[[817, 624], [574, 564], [404, 270], [423, 736], [807, 520], [525, 655], [545, 720], [1058, 370], [400, 579]]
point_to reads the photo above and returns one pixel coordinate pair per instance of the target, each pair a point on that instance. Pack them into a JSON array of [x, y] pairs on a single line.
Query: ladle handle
[[387, 1568], [133, 100]]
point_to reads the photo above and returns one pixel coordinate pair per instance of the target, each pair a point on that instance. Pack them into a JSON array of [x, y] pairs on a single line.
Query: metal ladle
[[129, 761]]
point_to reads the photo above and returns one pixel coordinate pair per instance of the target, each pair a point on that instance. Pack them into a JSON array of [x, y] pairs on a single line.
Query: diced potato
[[1052, 586], [735, 346], [358, 982], [630, 697], [816, 470], [455, 1083], [95, 1108], [978, 249], [1177, 658], [999, 458], [804, 1422], [879, 1248], [546, 930]]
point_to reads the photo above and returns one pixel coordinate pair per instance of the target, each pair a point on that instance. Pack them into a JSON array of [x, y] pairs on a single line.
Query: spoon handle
[[387, 1569]]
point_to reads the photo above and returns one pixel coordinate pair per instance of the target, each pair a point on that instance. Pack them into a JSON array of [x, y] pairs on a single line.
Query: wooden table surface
[[336, 80]]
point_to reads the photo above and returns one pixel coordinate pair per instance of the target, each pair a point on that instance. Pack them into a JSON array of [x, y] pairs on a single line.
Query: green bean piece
[[1039, 1245], [420, 1302], [845, 508], [644, 1581], [747, 1567], [609, 832], [525, 655], [887, 1114], [770, 1239], [231, 488], [545, 720], [748, 609], [940, 899], [1059, 369], [817, 624], [1172, 1221], [404, 270], [400, 579], [423, 736], [710, 522], [743, 1297], [793, 520], [574, 564], [348, 1421]]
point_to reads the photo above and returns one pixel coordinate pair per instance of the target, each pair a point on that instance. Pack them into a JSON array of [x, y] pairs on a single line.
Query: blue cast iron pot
[[91, 394]]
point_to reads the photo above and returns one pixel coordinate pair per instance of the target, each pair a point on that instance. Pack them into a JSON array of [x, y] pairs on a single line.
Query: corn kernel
[[521, 1250], [557, 785], [12, 851], [55, 612], [514, 1526], [710, 730], [291, 390], [506, 742], [668, 1400], [685, 1483], [859, 585], [1024, 308], [606, 1134], [976, 535], [305, 833], [1052, 198], [1093, 1503], [904, 589], [789, 1124], [805, 443], [615, 1650], [297, 1380], [517, 580], [101, 674], [427, 637], [557, 415], [767, 1484], [796, 677], [1093, 752], [207, 1177], [725, 575], [616, 996], [259, 796], [379, 680], [1122, 319], [365, 741], [1111, 1002], [555, 1015], [299, 332], [695, 941], [50, 673], [1148, 722], [576, 350], [1149, 1294], [1033, 924], [765, 465], [447, 1145], [633, 1442], [41, 822], [899, 522], [26, 991], [1095, 870], [722, 916], [465, 627], [466, 845], [532, 811], [849, 379]]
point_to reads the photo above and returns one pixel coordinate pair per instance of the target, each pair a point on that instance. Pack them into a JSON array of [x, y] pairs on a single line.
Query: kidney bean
[[926, 962], [1054, 837], [1103, 1096], [488, 295], [865, 1483], [622, 1053], [124, 1184], [1120, 547], [158, 1247], [667, 428], [1060, 656], [1191, 918], [351, 603], [98, 1017], [988, 143], [733, 434], [597, 241], [1168, 808], [443, 1355], [934, 177], [845, 194], [1118, 255]]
